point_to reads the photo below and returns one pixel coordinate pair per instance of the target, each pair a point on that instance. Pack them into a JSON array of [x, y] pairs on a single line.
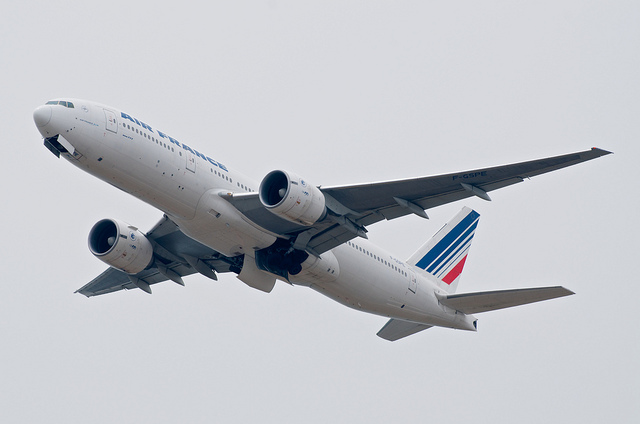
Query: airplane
[[217, 220]]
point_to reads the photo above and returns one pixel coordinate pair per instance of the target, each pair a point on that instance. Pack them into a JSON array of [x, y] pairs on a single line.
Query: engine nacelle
[[120, 246], [290, 197]]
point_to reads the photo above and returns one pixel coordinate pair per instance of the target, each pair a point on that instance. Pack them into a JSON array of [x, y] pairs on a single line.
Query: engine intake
[[120, 246], [290, 197]]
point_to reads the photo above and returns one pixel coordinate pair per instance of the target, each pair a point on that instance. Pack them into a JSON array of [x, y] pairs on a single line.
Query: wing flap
[[473, 303], [396, 329]]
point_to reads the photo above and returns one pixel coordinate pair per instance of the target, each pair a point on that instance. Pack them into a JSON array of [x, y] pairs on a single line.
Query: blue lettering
[[125, 116], [207, 158], [135, 121]]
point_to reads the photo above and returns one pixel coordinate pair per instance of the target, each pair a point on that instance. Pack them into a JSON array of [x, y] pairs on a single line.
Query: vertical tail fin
[[445, 253]]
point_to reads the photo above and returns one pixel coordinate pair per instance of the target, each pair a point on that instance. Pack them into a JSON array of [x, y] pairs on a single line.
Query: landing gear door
[[413, 282], [111, 122]]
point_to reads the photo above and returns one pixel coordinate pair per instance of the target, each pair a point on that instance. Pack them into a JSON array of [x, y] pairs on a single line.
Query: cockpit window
[[61, 103]]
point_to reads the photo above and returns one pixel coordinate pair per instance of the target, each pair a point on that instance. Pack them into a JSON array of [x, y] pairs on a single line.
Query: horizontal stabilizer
[[396, 329], [473, 303]]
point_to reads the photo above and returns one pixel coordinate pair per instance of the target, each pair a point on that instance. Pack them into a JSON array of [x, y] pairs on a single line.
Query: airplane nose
[[42, 116]]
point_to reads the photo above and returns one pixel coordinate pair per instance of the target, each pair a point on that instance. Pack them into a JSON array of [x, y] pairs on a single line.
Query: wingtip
[[84, 294], [601, 152]]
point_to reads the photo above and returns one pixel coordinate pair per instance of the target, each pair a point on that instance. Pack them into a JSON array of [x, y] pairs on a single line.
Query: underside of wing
[[473, 303], [351, 208], [429, 192], [113, 280], [174, 256]]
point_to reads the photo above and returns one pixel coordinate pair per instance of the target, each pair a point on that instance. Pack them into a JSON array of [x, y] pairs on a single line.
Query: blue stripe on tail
[[449, 242], [462, 243]]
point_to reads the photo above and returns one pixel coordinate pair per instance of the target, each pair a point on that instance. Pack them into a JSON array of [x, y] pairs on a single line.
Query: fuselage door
[[111, 122], [413, 283], [191, 161]]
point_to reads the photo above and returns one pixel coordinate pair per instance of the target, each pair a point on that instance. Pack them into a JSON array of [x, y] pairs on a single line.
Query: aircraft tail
[[444, 255]]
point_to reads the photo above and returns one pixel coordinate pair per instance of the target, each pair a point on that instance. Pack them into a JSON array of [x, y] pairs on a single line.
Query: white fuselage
[[184, 183]]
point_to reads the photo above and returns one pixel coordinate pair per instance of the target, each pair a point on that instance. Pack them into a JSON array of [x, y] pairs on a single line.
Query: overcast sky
[[338, 92]]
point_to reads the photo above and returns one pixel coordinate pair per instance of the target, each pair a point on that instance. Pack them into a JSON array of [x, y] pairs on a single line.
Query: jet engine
[[120, 246], [290, 197]]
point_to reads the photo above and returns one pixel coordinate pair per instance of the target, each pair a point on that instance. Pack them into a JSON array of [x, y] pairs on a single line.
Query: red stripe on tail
[[455, 272]]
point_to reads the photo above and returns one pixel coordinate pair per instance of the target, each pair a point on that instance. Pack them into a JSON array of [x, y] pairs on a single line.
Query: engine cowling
[[290, 197], [120, 246]]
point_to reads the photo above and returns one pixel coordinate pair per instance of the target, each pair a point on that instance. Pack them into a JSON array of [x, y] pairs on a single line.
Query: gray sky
[[338, 92]]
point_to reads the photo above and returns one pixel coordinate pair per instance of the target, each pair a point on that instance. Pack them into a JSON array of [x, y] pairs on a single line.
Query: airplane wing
[[175, 256], [352, 207]]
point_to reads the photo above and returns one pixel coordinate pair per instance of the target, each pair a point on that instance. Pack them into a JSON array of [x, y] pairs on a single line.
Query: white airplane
[[218, 220]]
